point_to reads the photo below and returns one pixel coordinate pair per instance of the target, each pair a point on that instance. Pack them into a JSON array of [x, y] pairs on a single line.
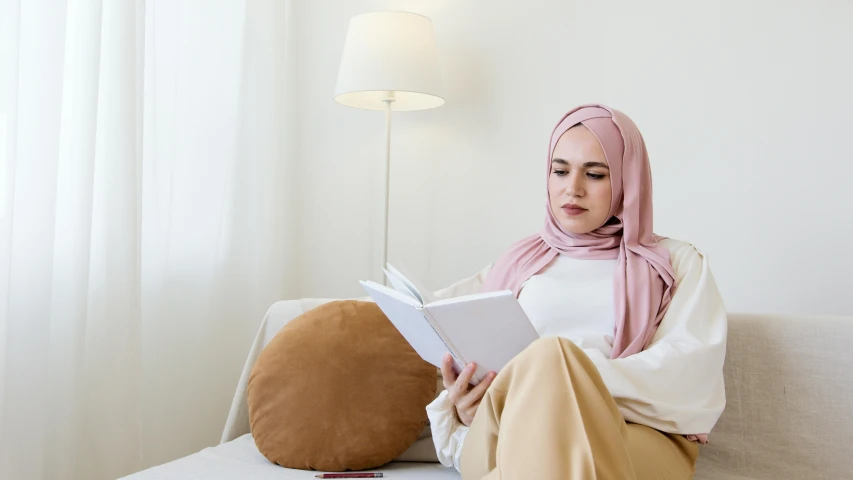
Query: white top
[[676, 385], [573, 298]]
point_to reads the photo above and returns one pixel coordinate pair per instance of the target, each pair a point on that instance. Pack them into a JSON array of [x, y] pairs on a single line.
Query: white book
[[487, 328]]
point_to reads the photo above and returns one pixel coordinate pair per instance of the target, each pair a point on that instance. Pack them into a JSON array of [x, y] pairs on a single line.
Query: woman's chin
[[575, 227]]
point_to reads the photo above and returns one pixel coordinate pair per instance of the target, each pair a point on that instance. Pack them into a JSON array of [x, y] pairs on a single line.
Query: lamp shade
[[390, 52]]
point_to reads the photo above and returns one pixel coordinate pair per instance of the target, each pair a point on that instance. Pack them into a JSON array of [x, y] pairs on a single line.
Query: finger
[[477, 392], [465, 377], [447, 375]]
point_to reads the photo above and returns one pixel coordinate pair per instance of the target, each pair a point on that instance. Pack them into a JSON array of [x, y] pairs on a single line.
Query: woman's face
[[579, 182]]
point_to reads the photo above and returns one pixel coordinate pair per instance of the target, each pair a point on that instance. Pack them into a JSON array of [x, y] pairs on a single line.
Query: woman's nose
[[574, 187]]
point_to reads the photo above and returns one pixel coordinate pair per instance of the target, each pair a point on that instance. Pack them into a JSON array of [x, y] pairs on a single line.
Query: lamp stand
[[388, 101]]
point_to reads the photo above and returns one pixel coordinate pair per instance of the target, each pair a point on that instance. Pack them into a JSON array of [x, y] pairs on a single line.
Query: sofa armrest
[[277, 316]]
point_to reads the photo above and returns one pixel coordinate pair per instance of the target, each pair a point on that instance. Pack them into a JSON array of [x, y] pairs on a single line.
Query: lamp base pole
[[388, 101]]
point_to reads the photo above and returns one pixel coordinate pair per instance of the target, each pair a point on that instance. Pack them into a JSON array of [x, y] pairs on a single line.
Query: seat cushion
[[338, 388], [240, 459]]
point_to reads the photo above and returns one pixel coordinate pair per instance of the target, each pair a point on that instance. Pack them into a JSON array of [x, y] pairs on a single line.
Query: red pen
[[350, 475]]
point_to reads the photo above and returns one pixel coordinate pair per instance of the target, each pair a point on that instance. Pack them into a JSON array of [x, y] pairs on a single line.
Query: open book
[[486, 328]]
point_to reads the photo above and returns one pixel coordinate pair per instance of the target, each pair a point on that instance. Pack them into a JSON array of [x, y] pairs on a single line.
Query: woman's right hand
[[465, 400]]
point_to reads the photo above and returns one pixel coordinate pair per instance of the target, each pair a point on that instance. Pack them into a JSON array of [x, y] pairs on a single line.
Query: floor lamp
[[390, 62]]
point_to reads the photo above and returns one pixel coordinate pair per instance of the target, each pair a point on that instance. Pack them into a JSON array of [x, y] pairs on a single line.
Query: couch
[[789, 414]]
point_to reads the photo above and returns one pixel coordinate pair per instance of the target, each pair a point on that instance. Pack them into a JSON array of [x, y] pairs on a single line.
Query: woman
[[628, 375]]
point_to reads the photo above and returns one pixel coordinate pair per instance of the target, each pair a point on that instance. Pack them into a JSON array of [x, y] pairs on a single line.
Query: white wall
[[746, 107]]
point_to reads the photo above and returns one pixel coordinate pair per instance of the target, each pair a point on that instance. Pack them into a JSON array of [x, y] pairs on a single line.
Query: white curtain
[[145, 224]]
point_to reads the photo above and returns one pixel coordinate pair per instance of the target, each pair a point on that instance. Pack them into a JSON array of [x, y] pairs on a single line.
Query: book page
[[409, 318], [423, 294], [401, 285]]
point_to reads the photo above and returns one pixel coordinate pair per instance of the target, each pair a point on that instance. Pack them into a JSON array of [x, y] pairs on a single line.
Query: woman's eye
[[593, 176]]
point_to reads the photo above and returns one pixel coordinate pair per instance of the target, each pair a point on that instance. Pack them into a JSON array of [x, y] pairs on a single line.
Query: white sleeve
[[676, 385], [448, 433]]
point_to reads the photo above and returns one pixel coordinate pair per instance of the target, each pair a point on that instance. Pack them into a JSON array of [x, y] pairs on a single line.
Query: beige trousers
[[548, 415]]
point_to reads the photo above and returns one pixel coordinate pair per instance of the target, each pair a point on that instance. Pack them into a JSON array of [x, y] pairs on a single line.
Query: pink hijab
[[643, 283]]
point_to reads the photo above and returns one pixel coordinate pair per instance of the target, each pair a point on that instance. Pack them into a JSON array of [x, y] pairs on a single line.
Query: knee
[[543, 345], [550, 347], [550, 352], [542, 364], [541, 361]]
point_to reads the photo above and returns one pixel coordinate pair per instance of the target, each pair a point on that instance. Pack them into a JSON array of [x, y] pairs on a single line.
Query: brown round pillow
[[338, 388]]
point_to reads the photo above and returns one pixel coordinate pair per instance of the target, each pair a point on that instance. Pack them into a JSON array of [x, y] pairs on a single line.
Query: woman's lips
[[574, 211]]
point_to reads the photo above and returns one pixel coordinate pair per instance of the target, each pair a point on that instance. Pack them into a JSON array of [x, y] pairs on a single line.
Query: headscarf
[[643, 281]]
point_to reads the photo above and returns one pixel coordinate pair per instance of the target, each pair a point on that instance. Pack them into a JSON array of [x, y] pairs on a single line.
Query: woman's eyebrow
[[586, 165]]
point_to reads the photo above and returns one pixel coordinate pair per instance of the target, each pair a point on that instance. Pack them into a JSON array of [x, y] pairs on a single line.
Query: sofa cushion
[[338, 388], [789, 385], [239, 459]]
